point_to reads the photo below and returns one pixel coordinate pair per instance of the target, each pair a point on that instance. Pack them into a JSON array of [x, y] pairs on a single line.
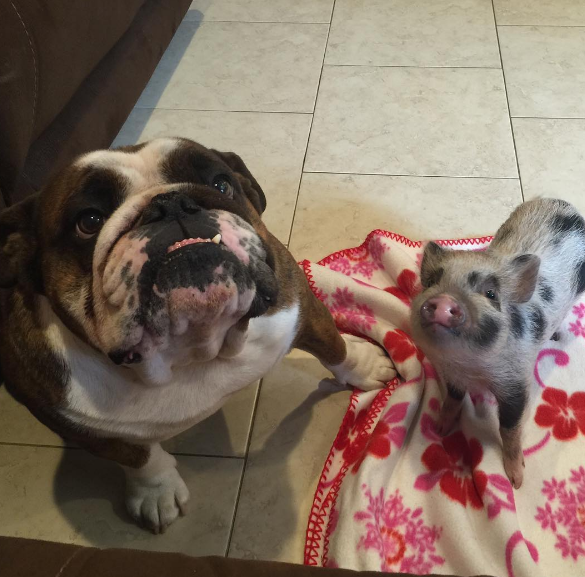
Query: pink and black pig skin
[[483, 316]]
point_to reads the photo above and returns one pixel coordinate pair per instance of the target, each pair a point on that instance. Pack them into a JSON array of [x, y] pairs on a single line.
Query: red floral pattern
[[400, 346], [453, 464], [577, 328], [350, 315], [377, 248], [408, 287], [579, 310], [566, 415], [458, 476], [564, 513], [357, 443], [350, 440], [342, 265], [403, 541], [364, 261]]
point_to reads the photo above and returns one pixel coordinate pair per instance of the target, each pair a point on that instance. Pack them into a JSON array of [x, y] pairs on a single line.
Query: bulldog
[[140, 289]]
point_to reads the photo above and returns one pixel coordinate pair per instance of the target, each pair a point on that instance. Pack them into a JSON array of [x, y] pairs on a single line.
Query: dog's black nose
[[169, 206]]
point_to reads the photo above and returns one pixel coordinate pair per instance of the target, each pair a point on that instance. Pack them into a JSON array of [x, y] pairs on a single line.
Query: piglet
[[484, 315]]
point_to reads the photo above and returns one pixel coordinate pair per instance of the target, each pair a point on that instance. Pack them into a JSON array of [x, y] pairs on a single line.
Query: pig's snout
[[442, 310]]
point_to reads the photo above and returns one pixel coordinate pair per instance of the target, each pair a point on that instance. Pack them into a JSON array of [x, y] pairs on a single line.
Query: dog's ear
[[18, 243], [251, 187]]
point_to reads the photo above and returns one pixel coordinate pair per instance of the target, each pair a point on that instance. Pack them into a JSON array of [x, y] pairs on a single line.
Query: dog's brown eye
[[223, 185], [89, 223], [490, 294]]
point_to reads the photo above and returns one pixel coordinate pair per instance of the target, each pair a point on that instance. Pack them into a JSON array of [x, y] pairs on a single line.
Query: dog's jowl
[[139, 290]]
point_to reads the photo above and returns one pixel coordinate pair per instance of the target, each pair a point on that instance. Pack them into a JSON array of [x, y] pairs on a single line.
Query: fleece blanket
[[394, 495]]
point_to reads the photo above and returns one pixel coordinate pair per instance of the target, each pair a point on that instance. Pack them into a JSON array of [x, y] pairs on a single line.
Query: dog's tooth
[[216, 239]]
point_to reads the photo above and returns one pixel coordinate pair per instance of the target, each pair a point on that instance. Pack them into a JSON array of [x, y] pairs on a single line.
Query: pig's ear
[[430, 268], [524, 274]]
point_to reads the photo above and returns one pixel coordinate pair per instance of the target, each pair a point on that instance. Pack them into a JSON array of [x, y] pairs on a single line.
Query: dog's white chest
[[113, 401]]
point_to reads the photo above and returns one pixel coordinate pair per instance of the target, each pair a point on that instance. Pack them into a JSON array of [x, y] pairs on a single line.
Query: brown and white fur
[[125, 319], [483, 316]]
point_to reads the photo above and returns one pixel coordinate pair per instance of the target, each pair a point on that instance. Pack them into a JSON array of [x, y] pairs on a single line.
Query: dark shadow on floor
[[164, 72]]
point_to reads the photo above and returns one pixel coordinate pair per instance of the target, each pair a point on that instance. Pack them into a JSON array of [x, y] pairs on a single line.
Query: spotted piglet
[[483, 316]]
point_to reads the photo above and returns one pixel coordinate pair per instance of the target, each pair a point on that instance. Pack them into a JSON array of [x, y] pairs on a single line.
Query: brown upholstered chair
[[29, 558], [70, 73]]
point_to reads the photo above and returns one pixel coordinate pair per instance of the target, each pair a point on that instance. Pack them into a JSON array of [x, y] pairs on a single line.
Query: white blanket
[[394, 496]]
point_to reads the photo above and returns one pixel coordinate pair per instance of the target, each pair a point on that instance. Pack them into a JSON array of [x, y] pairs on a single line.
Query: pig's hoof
[[514, 468], [366, 365], [446, 425], [448, 419]]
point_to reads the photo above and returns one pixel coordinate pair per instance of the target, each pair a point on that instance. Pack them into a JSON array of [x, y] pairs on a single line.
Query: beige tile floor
[[353, 115]]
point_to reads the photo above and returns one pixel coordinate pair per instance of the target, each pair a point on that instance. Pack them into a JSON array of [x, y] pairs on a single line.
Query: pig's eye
[[491, 294]]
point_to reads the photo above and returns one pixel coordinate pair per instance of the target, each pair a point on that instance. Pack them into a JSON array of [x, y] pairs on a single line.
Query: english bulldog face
[[155, 254]]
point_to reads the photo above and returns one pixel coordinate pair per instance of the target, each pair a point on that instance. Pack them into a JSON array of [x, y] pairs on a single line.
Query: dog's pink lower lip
[[186, 242]]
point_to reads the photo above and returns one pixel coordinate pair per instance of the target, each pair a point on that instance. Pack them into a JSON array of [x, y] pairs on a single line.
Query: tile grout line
[[39, 446], [293, 113], [254, 413], [333, 65], [316, 23], [74, 448], [207, 456], [222, 111], [398, 175], [292, 224], [542, 25], [550, 117], [253, 22], [244, 467], [508, 101]]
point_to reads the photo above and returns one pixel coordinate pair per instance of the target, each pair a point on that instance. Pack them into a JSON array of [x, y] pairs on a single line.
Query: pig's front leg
[[451, 409], [511, 407]]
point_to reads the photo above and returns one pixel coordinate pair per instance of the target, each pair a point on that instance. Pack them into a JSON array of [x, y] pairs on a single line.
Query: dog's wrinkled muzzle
[[183, 277]]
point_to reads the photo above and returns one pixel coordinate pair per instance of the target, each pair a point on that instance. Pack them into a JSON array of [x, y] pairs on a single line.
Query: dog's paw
[[157, 501], [366, 366]]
